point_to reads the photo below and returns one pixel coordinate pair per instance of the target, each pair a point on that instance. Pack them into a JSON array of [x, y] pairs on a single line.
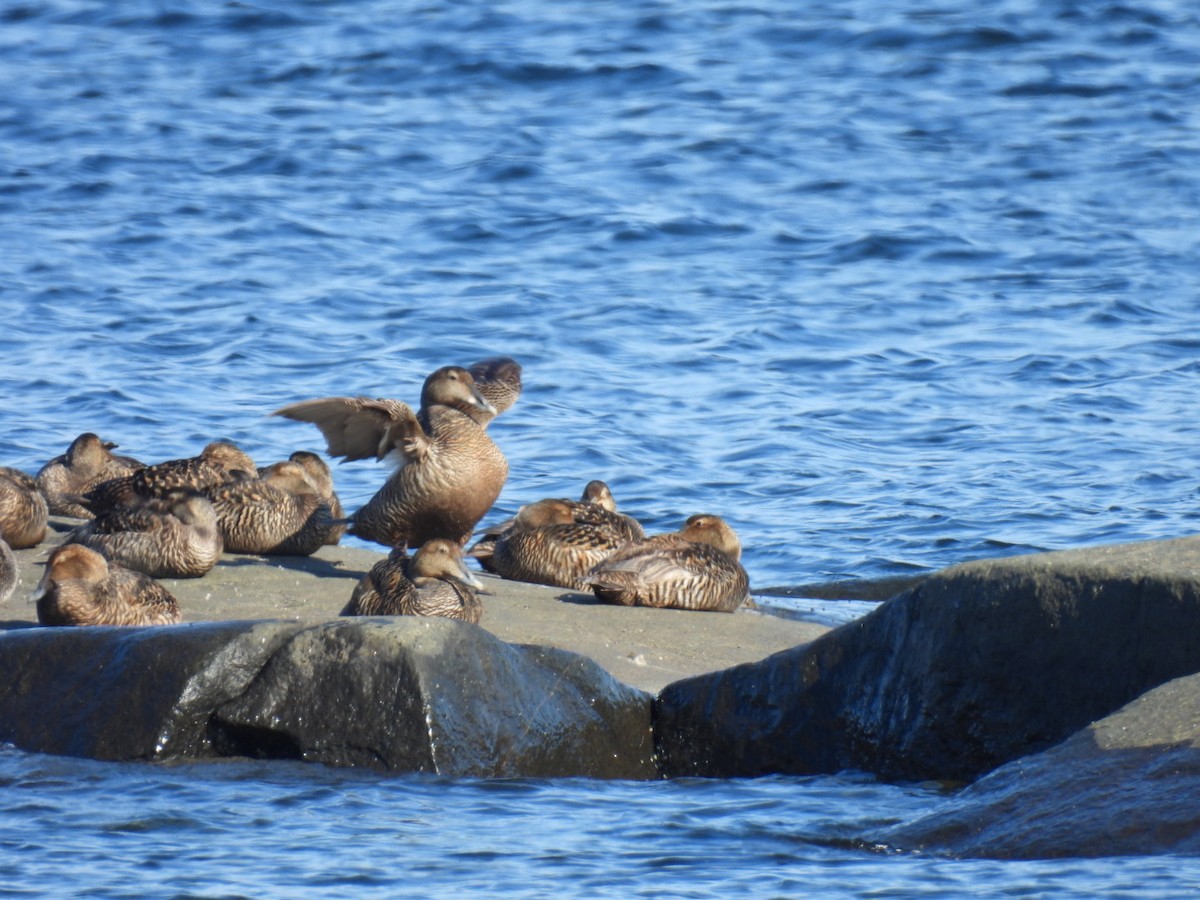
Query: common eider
[[433, 582], [23, 510], [281, 513], [218, 463], [696, 567], [81, 587], [450, 472], [173, 536], [87, 462]]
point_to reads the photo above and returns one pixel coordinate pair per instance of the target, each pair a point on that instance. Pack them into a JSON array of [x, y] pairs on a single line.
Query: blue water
[[888, 285]]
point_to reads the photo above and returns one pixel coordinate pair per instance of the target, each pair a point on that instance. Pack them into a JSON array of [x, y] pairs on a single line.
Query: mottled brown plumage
[[450, 471], [23, 510], [87, 462], [319, 475], [694, 568], [173, 536], [281, 513], [434, 582], [218, 463], [8, 571], [81, 587], [498, 380], [555, 542]]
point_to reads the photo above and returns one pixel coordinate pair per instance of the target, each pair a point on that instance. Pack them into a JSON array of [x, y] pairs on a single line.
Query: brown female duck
[[218, 463], [555, 542], [173, 536], [434, 582], [81, 587], [450, 471], [319, 474], [23, 510], [596, 507], [87, 462], [696, 567], [8, 571], [281, 513]]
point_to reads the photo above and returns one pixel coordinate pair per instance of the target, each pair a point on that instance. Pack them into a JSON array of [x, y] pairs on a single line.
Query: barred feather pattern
[[176, 536], [406, 586], [88, 462], [257, 517], [668, 570], [23, 511], [81, 587]]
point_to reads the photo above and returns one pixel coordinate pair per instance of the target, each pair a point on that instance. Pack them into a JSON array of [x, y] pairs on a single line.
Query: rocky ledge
[[1058, 673], [552, 683]]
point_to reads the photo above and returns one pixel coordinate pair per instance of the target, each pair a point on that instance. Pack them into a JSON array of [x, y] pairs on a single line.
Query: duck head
[[453, 386], [441, 558], [71, 562], [706, 528]]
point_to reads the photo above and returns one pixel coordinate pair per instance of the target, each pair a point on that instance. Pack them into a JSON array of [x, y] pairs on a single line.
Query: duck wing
[[498, 379], [361, 428]]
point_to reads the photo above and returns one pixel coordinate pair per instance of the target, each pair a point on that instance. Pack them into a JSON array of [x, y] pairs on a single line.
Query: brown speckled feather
[[281, 515], [434, 582], [498, 380], [174, 536], [560, 555], [319, 474], [682, 570], [87, 462], [556, 541], [81, 587], [450, 471], [23, 510], [219, 463]]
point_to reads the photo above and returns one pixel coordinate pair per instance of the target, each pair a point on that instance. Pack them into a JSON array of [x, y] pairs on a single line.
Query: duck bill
[[40, 591], [467, 577], [481, 403]]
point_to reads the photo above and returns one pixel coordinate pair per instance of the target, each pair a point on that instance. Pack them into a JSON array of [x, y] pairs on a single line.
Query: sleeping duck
[[23, 511], [81, 587], [87, 462], [696, 567]]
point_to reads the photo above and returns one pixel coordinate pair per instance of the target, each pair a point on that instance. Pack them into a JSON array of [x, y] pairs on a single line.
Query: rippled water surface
[[889, 285], [291, 830]]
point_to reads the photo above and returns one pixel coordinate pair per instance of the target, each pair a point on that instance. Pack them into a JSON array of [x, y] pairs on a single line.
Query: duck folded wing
[[361, 428], [498, 379]]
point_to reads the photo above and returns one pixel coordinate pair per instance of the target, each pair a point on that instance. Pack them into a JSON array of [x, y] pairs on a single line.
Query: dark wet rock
[[402, 694], [848, 588], [978, 665], [1126, 785]]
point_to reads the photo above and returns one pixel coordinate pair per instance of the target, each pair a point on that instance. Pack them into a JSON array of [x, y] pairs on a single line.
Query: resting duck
[[434, 582], [173, 536], [319, 474], [281, 513], [450, 471], [596, 507], [81, 587], [218, 463], [8, 571], [696, 567], [555, 542], [23, 511], [87, 462]]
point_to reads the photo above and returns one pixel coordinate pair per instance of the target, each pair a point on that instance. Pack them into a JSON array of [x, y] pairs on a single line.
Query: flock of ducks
[[176, 518]]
